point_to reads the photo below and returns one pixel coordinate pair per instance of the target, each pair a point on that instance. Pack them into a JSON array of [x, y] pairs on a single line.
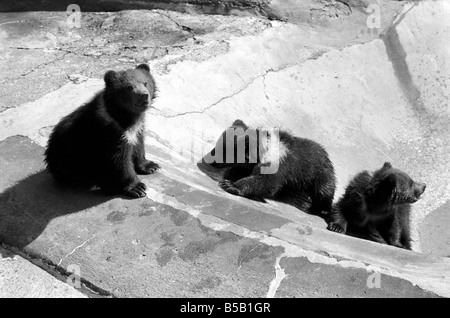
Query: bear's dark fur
[[377, 205], [102, 142], [303, 171]]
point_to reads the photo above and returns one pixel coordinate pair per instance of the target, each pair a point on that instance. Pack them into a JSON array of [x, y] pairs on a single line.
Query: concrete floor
[[367, 98]]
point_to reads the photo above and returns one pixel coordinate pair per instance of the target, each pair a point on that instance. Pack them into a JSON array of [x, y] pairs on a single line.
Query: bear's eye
[[145, 84], [129, 88]]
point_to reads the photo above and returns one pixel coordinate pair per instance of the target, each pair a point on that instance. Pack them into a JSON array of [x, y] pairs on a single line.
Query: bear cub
[[101, 144], [377, 205], [274, 165]]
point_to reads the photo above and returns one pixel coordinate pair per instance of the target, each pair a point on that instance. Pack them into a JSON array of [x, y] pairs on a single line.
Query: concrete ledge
[[21, 279]]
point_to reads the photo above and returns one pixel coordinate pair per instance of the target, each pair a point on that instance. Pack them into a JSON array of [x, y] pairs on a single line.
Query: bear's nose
[[423, 187], [420, 188]]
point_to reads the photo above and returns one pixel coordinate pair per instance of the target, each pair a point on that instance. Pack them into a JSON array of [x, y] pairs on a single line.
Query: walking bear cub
[[377, 205], [273, 164], [102, 142]]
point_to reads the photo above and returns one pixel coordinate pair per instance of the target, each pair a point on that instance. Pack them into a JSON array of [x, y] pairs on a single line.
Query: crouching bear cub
[[102, 142], [272, 164], [377, 205]]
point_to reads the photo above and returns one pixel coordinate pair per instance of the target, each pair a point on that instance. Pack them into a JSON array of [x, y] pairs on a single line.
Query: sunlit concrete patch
[[35, 119], [306, 279], [434, 231], [196, 202], [426, 271]]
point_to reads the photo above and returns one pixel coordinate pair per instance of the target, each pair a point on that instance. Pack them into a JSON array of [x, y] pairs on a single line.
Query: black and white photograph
[[233, 156]]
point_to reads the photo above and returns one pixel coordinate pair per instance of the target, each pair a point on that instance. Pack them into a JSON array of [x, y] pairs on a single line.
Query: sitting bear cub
[[377, 205], [102, 142], [273, 164]]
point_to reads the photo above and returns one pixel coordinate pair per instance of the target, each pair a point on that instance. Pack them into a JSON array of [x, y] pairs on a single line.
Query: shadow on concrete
[[209, 7], [61, 5], [300, 201], [5, 253], [27, 207]]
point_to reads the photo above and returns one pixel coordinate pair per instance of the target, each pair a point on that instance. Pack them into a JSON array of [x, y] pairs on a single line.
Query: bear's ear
[[387, 165], [110, 78], [239, 123], [144, 67]]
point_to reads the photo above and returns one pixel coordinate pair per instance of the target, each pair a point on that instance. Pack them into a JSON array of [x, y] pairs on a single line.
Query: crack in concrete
[[59, 58], [76, 248], [265, 90], [271, 70], [347, 5], [45, 64], [182, 27], [279, 276], [398, 18], [59, 273], [11, 22]]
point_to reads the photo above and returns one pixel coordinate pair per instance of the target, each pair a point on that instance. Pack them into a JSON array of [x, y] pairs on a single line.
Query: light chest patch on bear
[[131, 135], [273, 151]]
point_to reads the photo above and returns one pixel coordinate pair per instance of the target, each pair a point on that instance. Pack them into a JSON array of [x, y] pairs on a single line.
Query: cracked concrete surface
[[354, 91]]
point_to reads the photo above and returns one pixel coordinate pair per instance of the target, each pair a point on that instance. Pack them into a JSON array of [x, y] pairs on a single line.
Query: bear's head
[[132, 89], [237, 146], [396, 186]]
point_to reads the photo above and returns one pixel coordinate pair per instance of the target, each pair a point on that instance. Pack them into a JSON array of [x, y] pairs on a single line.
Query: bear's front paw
[[398, 244], [336, 227], [395, 242], [229, 186], [136, 190], [148, 167]]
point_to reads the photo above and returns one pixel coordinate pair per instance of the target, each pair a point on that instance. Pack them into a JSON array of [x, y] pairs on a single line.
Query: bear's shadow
[[30, 205], [300, 201]]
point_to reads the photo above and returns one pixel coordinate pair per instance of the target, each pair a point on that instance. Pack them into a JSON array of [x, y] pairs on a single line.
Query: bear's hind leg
[[394, 233], [321, 200], [374, 235], [405, 236]]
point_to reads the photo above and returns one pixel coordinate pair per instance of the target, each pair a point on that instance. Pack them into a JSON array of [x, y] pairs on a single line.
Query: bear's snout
[[141, 100], [419, 188], [143, 97]]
